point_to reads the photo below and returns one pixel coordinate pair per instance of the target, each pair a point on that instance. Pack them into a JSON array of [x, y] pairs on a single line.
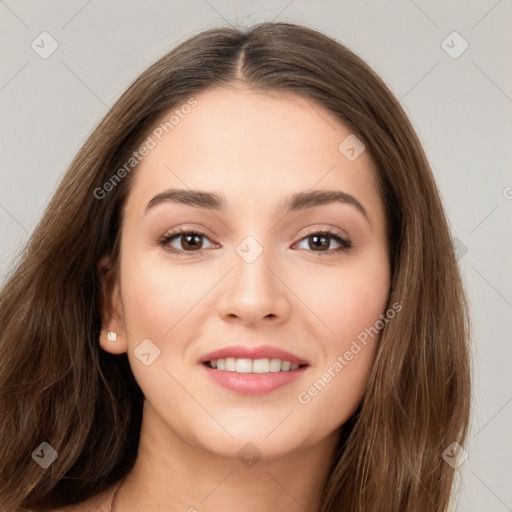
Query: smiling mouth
[[254, 366]]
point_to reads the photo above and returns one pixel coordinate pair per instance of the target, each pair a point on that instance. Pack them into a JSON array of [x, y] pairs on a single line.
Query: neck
[[172, 475]]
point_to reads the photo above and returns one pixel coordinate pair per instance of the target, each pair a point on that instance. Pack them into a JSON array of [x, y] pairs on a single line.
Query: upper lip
[[252, 352]]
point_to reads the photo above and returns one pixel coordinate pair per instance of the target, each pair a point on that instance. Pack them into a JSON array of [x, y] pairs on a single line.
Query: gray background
[[461, 109]]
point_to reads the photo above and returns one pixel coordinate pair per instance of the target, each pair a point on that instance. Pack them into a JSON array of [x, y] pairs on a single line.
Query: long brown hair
[[58, 386]]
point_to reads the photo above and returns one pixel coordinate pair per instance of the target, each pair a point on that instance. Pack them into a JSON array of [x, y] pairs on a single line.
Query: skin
[[256, 149]]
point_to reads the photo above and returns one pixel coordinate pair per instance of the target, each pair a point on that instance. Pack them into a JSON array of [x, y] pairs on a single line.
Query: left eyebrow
[[296, 202], [310, 199]]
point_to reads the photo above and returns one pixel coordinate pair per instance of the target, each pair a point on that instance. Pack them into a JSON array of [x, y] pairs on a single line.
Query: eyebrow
[[295, 202]]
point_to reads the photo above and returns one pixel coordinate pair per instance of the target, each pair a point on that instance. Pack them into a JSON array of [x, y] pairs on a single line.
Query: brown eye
[[191, 242], [321, 242], [183, 241]]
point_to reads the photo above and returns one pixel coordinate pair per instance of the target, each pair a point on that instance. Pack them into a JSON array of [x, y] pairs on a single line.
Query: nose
[[253, 292]]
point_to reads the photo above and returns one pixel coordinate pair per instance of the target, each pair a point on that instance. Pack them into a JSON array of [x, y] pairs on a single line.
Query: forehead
[[237, 140]]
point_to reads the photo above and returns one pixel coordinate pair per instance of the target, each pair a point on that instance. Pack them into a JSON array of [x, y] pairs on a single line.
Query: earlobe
[[112, 337], [111, 342]]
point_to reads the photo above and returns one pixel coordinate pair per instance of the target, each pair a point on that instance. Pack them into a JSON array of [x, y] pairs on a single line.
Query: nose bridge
[[252, 277], [252, 290]]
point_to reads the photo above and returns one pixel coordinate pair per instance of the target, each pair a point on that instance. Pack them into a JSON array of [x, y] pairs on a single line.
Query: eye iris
[[316, 240], [196, 243]]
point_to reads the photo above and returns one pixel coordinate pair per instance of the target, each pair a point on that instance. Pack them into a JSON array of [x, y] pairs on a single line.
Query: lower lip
[[253, 383]]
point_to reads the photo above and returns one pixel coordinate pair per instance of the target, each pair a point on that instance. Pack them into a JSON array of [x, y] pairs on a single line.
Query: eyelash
[[345, 243]]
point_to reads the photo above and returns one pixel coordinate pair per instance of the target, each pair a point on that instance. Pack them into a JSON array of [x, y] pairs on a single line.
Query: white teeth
[[275, 365], [260, 366], [285, 366], [242, 365]]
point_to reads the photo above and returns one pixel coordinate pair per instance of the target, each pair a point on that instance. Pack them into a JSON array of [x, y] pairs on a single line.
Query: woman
[[243, 294]]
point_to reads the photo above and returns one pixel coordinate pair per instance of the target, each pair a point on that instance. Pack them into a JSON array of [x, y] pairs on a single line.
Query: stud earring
[[112, 336]]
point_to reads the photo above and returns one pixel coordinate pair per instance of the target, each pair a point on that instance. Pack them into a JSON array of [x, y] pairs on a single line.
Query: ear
[[111, 309]]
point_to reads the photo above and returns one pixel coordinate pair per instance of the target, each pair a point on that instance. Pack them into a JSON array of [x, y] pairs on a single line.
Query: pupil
[[192, 245], [316, 239]]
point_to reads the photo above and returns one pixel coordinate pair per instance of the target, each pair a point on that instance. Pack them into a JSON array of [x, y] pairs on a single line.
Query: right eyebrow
[[189, 197]]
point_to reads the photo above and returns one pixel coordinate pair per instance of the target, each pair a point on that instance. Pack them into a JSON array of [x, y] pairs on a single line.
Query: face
[[255, 277]]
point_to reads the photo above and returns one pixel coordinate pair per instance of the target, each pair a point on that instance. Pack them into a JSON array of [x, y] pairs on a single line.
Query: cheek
[[349, 302], [346, 300], [147, 307], [156, 298], [156, 293]]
